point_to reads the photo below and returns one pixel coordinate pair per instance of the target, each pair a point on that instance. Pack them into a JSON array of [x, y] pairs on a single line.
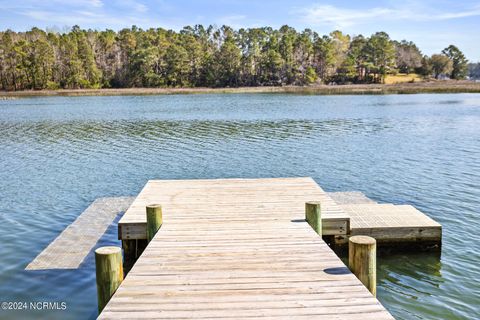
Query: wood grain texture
[[389, 223], [362, 260], [216, 195], [70, 248], [154, 220], [109, 273], [238, 249], [313, 215]]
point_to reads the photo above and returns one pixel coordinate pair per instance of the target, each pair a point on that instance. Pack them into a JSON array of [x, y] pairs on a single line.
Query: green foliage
[[380, 53], [441, 64], [52, 85], [459, 62], [425, 68], [199, 56], [226, 63], [310, 75]]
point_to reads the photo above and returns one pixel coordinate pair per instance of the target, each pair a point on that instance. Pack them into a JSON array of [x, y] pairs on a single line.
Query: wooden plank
[[350, 197], [71, 246], [238, 249], [389, 223], [204, 192]]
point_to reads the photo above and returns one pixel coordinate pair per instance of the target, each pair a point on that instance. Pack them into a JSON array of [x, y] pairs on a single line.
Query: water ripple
[[59, 154]]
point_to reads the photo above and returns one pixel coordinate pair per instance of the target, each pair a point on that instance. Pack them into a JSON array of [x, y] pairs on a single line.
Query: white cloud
[[232, 20], [85, 12], [337, 17], [74, 17], [32, 4], [96, 3], [132, 4], [86, 18]]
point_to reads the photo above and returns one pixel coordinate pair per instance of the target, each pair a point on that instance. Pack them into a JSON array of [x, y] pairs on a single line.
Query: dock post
[[313, 216], [130, 254], [362, 260], [109, 273], [154, 220]]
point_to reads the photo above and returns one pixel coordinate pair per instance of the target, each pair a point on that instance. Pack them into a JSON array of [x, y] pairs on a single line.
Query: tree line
[[201, 56], [474, 70]]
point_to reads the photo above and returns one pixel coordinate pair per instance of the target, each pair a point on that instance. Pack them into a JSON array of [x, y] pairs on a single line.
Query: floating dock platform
[[393, 225], [237, 249]]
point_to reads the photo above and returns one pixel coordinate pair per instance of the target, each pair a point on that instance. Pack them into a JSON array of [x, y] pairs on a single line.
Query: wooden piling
[[313, 216], [109, 273], [129, 254], [362, 260], [249, 243], [154, 220]]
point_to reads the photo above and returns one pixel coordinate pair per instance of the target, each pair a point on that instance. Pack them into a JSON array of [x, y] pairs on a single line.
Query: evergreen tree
[[459, 62], [380, 53], [426, 67], [225, 63], [208, 56]]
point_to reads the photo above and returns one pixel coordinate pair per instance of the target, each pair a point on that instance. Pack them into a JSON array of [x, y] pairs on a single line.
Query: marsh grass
[[396, 88]]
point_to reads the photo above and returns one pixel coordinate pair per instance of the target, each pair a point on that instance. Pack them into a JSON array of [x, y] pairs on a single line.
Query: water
[[58, 154]]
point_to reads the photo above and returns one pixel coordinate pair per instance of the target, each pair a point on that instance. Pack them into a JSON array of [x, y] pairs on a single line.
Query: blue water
[[58, 154]]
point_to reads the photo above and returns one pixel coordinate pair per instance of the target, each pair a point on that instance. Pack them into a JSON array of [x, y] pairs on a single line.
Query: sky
[[432, 25]]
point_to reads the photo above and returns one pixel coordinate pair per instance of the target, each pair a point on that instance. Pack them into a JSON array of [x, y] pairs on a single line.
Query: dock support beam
[[154, 220], [109, 273], [129, 254], [313, 216], [362, 260], [132, 249]]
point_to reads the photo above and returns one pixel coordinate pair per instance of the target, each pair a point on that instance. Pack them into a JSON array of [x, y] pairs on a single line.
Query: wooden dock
[[238, 248], [344, 214], [71, 246], [214, 195], [393, 224]]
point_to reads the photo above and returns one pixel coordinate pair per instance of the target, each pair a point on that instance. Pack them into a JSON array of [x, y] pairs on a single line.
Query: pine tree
[[459, 62]]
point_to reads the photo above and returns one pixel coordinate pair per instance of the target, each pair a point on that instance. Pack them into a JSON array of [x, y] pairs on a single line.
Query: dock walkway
[[70, 248], [238, 248]]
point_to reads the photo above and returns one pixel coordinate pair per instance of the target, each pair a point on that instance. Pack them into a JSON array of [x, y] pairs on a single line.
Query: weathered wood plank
[[396, 224], [238, 248], [71, 247], [275, 194]]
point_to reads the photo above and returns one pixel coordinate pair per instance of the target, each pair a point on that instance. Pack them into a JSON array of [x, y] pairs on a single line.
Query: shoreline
[[353, 89]]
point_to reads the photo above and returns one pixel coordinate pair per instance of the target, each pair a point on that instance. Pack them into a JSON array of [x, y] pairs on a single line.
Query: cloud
[[84, 12], [232, 20], [339, 17], [96, 3], [132, 4], [323, 14], [32, 4], [74, 17]]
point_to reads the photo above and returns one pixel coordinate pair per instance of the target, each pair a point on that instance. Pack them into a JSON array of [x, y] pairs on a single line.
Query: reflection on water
[[59, 154]]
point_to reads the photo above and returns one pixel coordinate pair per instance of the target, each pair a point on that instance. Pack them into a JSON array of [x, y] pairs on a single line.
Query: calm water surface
[[58, 154]]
